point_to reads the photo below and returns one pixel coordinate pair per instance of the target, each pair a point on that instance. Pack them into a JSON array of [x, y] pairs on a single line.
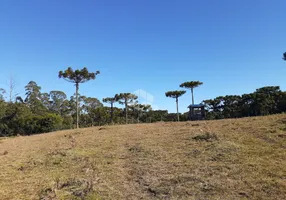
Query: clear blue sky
[[233, 47]]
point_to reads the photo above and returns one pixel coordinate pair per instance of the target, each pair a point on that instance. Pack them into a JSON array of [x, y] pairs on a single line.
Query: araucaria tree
[[111, 101], [176, 94], [125, 98], [191, 85], [77, 77]]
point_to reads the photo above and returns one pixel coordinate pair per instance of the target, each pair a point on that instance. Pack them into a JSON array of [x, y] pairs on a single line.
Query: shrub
[[40, 124], [4, 130], [50, 122]]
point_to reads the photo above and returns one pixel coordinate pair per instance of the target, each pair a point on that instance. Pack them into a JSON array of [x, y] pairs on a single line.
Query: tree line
[[40, 112], [264, 101]]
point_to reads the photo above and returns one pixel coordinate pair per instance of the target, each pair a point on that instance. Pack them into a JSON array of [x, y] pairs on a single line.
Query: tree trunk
[[126, 115], [76, 94], [193, 101], [177, 109]]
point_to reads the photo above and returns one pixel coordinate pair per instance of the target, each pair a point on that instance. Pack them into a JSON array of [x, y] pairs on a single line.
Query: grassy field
[[224, 159]]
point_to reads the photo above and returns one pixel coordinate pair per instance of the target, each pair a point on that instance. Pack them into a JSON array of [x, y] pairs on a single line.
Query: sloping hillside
[[226, 159]]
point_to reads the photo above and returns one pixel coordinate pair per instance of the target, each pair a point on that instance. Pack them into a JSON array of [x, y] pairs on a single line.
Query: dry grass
[[226, 159]]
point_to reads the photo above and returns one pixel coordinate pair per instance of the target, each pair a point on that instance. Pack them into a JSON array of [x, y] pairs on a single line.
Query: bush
[[28, 125], [50, 122], [40, 124], [4, 130]]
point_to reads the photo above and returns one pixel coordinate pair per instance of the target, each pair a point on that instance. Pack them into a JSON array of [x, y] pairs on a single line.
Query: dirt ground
[[224, 159]]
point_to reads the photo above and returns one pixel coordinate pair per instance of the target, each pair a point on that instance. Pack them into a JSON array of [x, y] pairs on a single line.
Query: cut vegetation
[[225, 159]]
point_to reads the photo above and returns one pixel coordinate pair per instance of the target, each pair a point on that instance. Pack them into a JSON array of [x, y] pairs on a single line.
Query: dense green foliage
[[264, 101], [39, 112]]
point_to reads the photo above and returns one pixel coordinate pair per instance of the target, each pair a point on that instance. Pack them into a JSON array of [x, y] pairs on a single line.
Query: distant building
[[197, 112]]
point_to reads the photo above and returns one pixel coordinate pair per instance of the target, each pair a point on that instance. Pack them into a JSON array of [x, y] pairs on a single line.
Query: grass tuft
[[208, 137]]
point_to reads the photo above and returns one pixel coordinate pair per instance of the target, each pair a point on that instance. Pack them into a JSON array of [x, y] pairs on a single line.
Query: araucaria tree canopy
[[125, 99], [191, 85], [111, 101], [176, 94], [77, 77]]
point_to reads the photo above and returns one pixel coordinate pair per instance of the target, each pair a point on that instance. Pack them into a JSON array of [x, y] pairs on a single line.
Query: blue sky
[[233, 47]]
